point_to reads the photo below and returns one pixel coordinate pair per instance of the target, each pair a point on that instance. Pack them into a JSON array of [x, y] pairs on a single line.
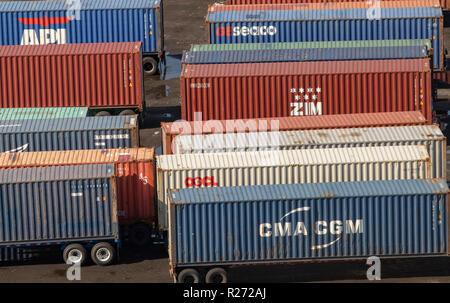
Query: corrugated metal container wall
[[102, 75], [318, 44], [285, 223], [300, 55], [135, 176], [42, 113], [445, 4], [443, 76], [288, 23], [47, 205], [283, 89], [430, 136], [287, 167], [170, 130], [87, 21], [69, 134]]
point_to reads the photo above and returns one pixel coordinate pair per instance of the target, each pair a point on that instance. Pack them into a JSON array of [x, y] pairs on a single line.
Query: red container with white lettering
[[285, 89]]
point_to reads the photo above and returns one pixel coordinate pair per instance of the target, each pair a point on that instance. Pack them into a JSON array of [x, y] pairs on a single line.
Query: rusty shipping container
[[287, 167], [134, 174], [429, 135], [94, 75], [68, 134], [264, 90], [170, 130], [445, 4]]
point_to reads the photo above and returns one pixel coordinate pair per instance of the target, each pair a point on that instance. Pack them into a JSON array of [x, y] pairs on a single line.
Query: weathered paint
[[134, 169], [170, 130], [58, 205], [287, 167]]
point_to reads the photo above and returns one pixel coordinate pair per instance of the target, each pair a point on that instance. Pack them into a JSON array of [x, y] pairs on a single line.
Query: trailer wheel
[[127, 112], [216, 275], [103, 253], [140, 234], [76, 253], [150, 66], [103, 113], [189, 275]]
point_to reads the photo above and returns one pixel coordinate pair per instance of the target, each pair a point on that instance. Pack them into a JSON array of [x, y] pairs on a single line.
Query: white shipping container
[[287, 167], [429, 135]]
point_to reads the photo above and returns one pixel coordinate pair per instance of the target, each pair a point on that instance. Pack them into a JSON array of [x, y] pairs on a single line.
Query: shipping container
[[42, 113], [430, 136], [68, 134], [86, 21], [101, 76], [314, 22], [287, 167], [134, 177], [283, 89], [445, 4], [307, 45], [170, 130], [73, 207], [301, 55], [255, 225]]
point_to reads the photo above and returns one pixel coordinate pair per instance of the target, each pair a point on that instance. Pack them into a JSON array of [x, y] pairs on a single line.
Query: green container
[[42, 113], [301, 45]]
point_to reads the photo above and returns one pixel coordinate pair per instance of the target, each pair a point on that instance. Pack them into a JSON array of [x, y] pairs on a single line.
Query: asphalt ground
[[185, 25]]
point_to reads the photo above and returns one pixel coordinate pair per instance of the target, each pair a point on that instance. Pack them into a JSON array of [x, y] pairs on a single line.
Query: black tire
[[103, 254], [140, 234], [75, 251], [127, 112], [189, 275], [150, 66], [103, 113], [216, 275]]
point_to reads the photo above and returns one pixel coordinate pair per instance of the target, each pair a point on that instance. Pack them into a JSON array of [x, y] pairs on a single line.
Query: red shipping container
[[265, 90], [97, 75], [134, 175], [445, 4], [170, 130], [444, 76]]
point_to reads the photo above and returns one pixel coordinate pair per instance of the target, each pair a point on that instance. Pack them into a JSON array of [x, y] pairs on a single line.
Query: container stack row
[[309, 136]]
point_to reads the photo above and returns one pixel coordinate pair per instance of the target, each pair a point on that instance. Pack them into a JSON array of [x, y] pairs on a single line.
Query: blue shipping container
[[58, 205], [301, 222], [311, 54], [329, 25], [83, 21], [68, 134]]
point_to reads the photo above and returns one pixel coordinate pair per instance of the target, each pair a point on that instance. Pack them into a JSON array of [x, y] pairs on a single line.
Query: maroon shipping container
[[98, 75], [170, 130], [445, 4], [264, 90]]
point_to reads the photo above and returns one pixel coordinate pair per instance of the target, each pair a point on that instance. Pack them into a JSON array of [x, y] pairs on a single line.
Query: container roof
[[70, 49], [305, 68], [294, 123], [42, 112], [309, 191], [321, 14], [199, 143], [75, 157], [63, 5], [323, 156], [67, 124], [56, 173]]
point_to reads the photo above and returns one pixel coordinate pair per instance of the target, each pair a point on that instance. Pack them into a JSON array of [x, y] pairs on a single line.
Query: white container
[[287, 167], [429, 135]]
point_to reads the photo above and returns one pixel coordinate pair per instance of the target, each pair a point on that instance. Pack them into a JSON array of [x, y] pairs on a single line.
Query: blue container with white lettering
[[301, 55], [306, 222], [84, 21], [329, 25], [68, 134]]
